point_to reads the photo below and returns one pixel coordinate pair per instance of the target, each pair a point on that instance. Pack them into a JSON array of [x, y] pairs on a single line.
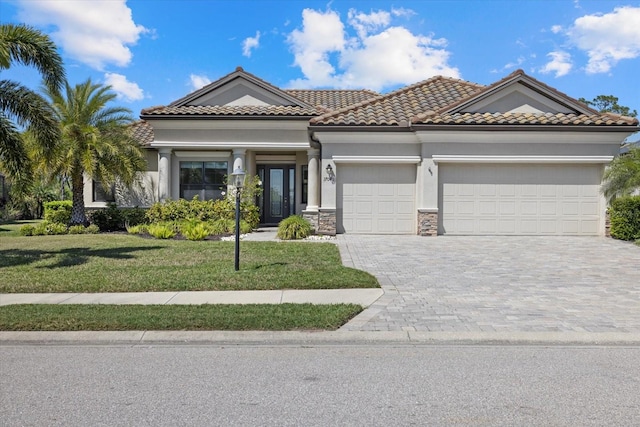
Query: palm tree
[[96, 141], [622, 177], [20, 44]]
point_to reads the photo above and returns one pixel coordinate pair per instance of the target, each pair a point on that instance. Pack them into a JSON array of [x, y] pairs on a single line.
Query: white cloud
[[401, 11], [560, 64], [129, 91], [250, 43], [198, 81], [377, 56], [556, 29], [95, 33], [607, 38], [366, 23], [322, 34]]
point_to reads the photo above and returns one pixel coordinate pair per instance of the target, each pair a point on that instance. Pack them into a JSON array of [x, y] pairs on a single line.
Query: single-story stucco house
[[442, 156]]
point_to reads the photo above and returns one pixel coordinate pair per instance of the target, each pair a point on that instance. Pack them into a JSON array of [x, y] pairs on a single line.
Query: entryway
[[278, 198]]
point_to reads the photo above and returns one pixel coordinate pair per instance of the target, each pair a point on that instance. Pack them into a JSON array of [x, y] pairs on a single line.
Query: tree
[[21, 107], [609, 104], [96, 141], [622, 177]]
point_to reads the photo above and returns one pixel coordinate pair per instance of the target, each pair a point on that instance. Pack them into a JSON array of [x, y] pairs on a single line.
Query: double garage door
[[474, 199], [520, 199]]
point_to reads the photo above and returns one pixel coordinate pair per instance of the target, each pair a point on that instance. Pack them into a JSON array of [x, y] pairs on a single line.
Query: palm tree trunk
[[78, 216]]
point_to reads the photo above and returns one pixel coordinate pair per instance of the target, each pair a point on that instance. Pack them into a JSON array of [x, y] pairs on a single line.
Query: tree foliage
[[609, 104], [20, 107], [622, 177], [96, 141]]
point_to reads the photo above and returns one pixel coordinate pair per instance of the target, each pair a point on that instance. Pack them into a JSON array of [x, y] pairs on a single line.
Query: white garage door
[[520, 199], [376, 199]]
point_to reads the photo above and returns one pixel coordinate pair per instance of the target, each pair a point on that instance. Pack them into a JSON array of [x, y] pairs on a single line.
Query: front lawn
[[264, 317], [127, 263]]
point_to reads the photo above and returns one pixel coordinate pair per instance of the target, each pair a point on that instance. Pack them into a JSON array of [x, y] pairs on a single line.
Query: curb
[[318, 338]]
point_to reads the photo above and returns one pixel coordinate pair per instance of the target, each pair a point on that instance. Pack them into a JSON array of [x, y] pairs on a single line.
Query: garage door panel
[[383, 197], [520, 199], [548, 208]]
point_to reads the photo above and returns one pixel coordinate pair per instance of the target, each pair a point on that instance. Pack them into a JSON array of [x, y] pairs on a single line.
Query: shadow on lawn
[[66, 257]]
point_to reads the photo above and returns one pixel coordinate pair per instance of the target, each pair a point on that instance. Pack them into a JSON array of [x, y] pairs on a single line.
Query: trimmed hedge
[[116, 219], [203, 210], [58, 211], [625, 218]]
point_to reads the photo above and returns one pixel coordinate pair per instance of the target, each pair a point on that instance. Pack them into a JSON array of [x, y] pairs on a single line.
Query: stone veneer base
[[427, 222], [327, 222]]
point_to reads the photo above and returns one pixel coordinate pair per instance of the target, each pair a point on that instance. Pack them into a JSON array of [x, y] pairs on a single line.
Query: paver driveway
[[503, 284]]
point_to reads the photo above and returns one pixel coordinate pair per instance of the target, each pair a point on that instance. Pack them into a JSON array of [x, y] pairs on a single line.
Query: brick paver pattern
[[503, 284]]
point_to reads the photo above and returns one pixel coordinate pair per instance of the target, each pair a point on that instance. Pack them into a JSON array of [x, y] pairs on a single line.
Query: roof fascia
[[359, 128], [519, 77], [543, 128], [239, 74]]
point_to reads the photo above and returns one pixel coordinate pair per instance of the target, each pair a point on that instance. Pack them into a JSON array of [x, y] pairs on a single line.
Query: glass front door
[[278, 197]]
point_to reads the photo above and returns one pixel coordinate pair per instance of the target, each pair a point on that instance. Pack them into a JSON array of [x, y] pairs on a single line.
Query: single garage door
[[376, 199], [520, 199]]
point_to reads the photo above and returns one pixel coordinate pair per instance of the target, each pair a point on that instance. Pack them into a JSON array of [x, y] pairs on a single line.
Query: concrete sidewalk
[[364, 297]]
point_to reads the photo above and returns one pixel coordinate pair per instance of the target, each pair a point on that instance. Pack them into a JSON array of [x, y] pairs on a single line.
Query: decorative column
[[164, 174], [313, 188]]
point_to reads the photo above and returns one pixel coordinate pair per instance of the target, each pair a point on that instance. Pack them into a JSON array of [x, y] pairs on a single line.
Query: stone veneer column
[[327, 221], [164, 174], [427, 222]]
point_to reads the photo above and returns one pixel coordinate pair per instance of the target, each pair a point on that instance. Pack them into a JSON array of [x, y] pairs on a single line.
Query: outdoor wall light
[[331, 176], [237, 179]]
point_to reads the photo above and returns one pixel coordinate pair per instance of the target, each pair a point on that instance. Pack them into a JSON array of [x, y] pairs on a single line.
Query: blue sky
[[154, 52]]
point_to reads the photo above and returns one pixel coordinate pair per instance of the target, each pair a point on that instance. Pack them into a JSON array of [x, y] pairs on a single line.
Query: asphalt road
[[367, 385]]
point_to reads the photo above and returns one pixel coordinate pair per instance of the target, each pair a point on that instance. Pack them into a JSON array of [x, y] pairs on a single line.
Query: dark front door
[[278, 198]]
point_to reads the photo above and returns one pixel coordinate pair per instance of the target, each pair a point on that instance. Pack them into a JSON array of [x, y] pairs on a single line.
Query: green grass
[[277, 317], [127, 263], [12, 228]]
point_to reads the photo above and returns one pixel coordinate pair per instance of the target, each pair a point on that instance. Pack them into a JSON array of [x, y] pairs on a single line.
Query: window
[[305, 182], [100, 195], [202, 179]]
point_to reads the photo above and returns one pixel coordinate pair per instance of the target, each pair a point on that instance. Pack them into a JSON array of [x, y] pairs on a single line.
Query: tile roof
[[605, 119], [227, 110], [329, 99], [143, 132], [397, 108]]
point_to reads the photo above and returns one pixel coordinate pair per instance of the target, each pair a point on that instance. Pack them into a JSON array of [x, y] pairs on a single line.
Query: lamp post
[[237, 179]]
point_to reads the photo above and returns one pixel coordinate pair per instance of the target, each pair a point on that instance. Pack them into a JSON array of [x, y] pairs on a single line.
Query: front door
[[278, 198]]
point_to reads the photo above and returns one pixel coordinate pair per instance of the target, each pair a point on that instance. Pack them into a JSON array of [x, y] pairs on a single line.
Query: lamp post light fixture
[[237, 180]]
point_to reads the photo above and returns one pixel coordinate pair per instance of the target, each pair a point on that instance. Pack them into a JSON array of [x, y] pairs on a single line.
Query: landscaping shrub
[[109, 219], [294, 227], [76, 229], [226, 209], [137, 229], [625, 218], [223, 226], [58, 211], [49, 228], [161, 231], [27, 230], [134, 216], [209, 210], [92, 229], [195, 230]]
